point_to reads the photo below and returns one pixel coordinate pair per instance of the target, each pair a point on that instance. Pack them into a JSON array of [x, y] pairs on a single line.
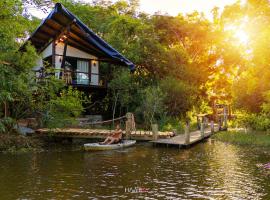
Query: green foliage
[[14, 143], [7, 125], [23, 96], [162, 47], [259, 119], [251, 86], [15, 66], [64, 109], [179, 96], [122, 85], [253, 121], [171, 124], [151, 105]]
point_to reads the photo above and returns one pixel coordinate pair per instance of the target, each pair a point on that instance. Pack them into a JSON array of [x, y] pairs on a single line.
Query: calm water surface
[[212, 170]]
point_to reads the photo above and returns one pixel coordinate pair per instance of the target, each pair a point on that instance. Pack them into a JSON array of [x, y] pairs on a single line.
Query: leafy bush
[[170, 123], [259, 122], [15, 143], [152, 106], [256, 121], [6, 125], [63, 109], [179, 96]]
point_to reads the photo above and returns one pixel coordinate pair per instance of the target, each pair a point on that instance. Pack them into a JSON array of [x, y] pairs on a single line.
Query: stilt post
[[212, 127], [202, 128], [155, 131], [225, 118], [128, 125], [219, 123], [187, 133]]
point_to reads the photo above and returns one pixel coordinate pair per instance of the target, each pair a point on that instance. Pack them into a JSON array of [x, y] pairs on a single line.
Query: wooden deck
[[179, 140], [97, 133], [164, 138]]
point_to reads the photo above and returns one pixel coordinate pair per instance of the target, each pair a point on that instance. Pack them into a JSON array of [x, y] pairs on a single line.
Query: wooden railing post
[[219, 124], [202, 128], [128, 125], [155, 131], [212, 127], [225, 118], [187, 133]]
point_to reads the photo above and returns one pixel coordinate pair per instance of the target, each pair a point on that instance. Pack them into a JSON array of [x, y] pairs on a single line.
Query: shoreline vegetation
[[16, 143], [254, 138]]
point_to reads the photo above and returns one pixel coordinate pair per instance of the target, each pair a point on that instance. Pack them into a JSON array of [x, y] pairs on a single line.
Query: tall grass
[[242, 138]]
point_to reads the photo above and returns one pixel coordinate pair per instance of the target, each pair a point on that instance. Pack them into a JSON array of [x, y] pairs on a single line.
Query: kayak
[[102, 147]]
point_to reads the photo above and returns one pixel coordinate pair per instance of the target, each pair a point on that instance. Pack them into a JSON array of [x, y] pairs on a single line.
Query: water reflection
[[212, 170], [230, 171]]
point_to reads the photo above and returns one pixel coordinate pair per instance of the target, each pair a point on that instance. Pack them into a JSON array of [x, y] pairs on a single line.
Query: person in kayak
[[114, 137]]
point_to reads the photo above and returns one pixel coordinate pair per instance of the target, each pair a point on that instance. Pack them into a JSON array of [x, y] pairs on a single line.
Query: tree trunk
[[6, 109], [114, 107]]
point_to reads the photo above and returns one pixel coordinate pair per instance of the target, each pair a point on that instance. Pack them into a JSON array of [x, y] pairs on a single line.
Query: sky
[[171, 7]]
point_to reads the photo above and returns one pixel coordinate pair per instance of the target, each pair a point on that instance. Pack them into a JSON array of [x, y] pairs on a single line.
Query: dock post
[[219, 124], [212, 127], [155, 131], [225, 118], [187, 133], [128, 125], [202, 128]]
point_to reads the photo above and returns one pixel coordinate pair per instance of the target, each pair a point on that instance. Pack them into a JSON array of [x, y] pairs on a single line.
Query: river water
[[212, 170]]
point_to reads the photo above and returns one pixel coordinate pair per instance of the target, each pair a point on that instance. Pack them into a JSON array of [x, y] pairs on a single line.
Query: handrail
[[70, 76], [104, 122]]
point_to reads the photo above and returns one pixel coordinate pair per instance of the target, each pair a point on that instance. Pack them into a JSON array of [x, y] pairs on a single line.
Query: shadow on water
[[212, 170]]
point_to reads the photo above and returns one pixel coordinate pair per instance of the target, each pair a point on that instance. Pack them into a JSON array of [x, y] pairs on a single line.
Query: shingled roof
[[79, 36]]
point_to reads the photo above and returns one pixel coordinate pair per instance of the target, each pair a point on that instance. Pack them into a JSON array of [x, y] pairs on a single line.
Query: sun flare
[[242, 36]]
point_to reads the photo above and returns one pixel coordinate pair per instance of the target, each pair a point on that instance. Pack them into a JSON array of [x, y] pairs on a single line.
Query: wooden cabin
[[77, 55]]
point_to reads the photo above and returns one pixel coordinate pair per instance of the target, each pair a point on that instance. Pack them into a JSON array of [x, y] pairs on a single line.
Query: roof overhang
[[61, 21]]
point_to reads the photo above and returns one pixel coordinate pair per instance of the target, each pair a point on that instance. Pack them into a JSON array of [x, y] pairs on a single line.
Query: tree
[[122, 88], [151, 106]]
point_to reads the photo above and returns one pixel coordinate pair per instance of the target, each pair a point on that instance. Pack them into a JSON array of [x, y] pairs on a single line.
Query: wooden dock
[[139, 135], [181, 140], [154, 136]]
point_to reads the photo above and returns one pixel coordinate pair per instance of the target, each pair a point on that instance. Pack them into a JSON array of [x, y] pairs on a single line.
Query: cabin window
[[82, 72]]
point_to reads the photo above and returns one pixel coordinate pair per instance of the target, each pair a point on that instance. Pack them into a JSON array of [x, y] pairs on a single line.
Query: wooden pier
[[180, 140], [139, 135], [130, 132], [189, 138], [154, 136]]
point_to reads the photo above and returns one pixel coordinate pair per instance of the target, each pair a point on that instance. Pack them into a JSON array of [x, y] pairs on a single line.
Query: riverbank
[[242, 138], [18, 143]]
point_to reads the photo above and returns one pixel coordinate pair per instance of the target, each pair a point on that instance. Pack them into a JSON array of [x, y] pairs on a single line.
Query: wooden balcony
[[74, 78]]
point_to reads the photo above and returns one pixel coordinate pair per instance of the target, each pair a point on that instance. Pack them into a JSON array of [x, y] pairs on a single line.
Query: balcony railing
[[71, 77]]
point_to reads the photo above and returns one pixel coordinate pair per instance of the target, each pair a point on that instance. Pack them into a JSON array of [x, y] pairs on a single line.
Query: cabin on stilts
[[75, 53]]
